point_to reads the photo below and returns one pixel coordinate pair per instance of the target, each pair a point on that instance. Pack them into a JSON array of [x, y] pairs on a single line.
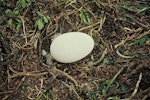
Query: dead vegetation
[[117, 69]]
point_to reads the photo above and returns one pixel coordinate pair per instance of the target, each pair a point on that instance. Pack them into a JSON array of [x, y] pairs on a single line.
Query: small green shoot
[[92, 95], [142, 51], [23, 86], [52, 95], [97, 3], [142, 8], [126, 52], [46, 95], [13, 20], [107, 60], [41, 21], [84, 16], [103, 85], [123, 87], [139, 8], [140, 41], [126, 6], [102, 46], [23, 3], [12, 13], [39, 97]]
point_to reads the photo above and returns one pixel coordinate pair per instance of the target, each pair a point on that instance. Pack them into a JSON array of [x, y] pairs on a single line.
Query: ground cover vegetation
[[117, 69]]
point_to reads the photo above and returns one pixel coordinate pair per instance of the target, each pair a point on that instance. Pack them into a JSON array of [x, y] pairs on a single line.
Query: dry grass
[[115, 58]]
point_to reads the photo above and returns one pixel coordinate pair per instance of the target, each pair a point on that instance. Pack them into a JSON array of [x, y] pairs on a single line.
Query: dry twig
[[136, 88], [71, 88], [65, 74], [14, 90], [113, 79], [101, 58], [123, 56]]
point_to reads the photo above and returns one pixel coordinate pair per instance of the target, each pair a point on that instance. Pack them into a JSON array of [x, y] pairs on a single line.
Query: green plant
[[108, 60], [142, 51], [92, 95], [23, 3], [139, 8], [2, 4], [41, 21], [23, 86], [140, 41], [126, 52], [46, 95], [103, 85], [13, 20], [101, 46], [13, 14], [84, 16]]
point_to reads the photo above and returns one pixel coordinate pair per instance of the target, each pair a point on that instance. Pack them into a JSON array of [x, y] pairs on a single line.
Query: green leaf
[[84, 16], [142, 40], [107, 60], [10, 21], [18, 21], [22, 86], [92, 95], [8, 11], [139, 8], [21, 3], [45, 19], [40, 14], [39, 24], [96, 2], [18, 26], [18, 4], [102, 86], [142, 8], [125, 5], [126, 52], [15, 12], [123, 87], [48, 18], [102, 46], [142, 51], [29, 2]]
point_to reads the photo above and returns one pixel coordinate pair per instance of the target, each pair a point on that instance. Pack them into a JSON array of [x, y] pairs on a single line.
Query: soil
[[118, 68]]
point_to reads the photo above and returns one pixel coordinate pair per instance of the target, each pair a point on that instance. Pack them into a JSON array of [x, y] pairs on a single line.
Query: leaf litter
[[117, 69]]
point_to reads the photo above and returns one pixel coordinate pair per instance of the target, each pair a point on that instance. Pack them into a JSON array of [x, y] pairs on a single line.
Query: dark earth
[[118, 68]]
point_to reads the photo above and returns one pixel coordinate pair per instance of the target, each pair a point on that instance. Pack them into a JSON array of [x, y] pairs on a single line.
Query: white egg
[[71, 47]]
